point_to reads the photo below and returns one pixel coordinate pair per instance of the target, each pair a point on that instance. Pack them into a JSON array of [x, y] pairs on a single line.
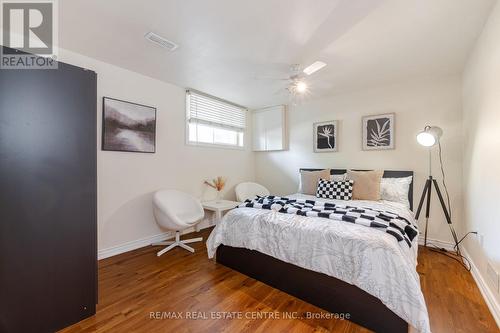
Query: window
[[213, 121]]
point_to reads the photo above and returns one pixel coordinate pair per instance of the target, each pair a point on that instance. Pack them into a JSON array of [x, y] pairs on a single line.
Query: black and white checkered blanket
[[393, 224]]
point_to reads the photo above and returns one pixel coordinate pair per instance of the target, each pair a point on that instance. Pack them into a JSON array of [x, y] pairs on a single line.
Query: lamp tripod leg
[[441, 200], [425, 232], [455, 238], [448, 217], [422, 198], [426, 194]]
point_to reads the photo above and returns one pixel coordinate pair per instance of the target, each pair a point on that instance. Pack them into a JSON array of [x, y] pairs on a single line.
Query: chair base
[[177, 242]]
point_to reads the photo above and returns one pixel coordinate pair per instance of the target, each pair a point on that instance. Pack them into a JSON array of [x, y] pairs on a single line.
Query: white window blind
[[213, 121], [211, 111]]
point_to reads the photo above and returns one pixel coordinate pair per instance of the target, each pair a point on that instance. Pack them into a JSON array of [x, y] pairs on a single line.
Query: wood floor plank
[[135, 284]]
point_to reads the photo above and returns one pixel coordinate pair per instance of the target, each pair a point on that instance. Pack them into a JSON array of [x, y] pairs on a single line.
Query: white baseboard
[[436, 242], [138, 243], [488, 294]]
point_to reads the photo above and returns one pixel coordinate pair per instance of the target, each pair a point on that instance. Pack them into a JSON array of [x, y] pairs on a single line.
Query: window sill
[[211, 145]]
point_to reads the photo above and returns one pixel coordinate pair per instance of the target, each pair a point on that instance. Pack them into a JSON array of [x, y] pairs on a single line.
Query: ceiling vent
[[165, 43]]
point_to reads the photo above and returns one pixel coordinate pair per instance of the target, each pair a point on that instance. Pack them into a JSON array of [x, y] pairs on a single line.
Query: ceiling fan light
[[301, 87], [316, 66]]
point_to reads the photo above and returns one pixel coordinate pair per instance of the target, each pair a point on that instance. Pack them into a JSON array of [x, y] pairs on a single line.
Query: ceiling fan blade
[[343, 17], [314, 67]]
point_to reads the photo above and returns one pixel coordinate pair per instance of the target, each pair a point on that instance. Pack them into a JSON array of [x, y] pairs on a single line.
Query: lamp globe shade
[[426, 139], [429, 136]]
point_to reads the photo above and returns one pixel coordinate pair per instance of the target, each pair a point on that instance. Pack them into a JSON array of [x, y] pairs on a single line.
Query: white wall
[[416, 104], [126, 181], [481, 103]]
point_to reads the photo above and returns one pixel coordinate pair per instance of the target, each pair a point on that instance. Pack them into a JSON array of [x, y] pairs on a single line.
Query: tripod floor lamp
[[430, 137]]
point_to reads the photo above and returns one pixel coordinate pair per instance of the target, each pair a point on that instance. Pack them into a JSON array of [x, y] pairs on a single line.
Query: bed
[[340, 267]]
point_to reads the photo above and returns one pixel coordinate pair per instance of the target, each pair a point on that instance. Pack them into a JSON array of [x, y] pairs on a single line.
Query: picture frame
[[128, 126], [378, 132], [325, 139]]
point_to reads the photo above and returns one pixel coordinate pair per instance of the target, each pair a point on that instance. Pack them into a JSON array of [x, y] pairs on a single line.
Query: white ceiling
[[226, 44]]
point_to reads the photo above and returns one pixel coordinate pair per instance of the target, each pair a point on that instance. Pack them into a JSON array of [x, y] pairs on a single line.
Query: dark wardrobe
[[48, 229]]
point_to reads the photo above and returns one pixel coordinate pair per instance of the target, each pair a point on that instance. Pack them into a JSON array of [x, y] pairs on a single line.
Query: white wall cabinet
[[269, 129]]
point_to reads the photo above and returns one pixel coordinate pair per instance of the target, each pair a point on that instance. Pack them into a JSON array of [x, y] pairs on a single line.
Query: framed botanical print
[[325, 136], [378, 132], [128, 126]]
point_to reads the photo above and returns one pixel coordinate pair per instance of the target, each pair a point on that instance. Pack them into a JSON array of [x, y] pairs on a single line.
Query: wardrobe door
[[259, 131], [48, 250], [269, 129]]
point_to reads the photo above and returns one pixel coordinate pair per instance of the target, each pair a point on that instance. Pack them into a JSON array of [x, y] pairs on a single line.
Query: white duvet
[[366, 257]]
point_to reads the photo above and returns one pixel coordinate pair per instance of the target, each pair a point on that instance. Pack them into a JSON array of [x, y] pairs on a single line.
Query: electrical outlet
[[494, 276]]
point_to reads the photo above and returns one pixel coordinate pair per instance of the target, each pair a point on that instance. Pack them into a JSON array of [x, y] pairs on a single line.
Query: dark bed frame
[[326, 292]]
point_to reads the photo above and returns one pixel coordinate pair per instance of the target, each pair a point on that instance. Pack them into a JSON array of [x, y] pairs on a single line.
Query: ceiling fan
[[297, 83]]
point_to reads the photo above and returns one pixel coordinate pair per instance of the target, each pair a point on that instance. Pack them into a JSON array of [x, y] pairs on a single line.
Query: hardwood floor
[[138, 290]]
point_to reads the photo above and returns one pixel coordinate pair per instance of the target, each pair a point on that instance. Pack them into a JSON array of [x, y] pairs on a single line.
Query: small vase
[[218, 196]]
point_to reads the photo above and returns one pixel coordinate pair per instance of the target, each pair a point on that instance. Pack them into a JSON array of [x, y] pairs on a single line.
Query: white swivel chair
[[175, 210], [249, 191]]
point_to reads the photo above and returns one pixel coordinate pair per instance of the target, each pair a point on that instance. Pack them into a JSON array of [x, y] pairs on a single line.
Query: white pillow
[[338, 178], [396, 189]]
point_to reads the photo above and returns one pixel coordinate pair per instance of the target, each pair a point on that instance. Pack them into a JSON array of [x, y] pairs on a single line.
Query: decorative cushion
[[338, 178], [366, 184], [335, 190], [396, 189], [309, 180]]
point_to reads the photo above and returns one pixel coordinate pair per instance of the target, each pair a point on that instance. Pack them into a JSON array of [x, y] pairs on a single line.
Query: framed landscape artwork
[[127, 126], [325, 136], [378, 132]]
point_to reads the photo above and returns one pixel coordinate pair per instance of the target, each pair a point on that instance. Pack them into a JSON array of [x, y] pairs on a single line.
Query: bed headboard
[[387, 174]]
